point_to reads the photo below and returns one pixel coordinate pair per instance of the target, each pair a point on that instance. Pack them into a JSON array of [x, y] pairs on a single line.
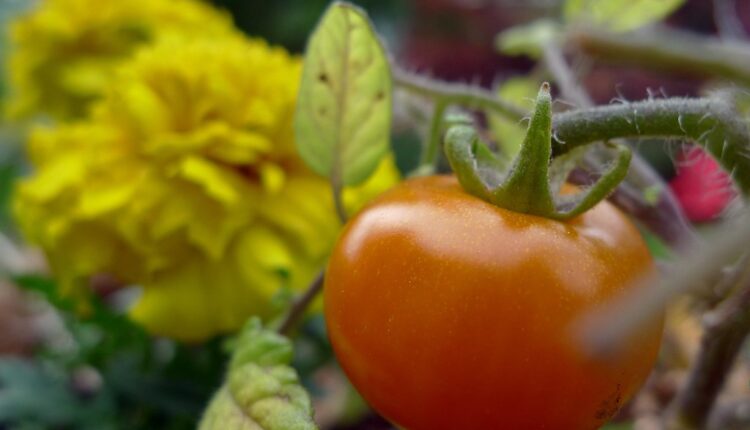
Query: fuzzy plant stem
[[456, 94], [664, 216], [713, 124], [668, 50], [710, 122]]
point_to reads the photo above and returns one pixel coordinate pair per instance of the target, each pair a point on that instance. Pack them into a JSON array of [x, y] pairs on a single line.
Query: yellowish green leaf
[[343, 118], [528, 39], [507, 133], [619, 15], [262, 391]]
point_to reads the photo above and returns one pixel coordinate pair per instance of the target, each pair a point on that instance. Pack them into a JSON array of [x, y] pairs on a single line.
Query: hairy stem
[[710, 122], [453, 93], [664, 216], [668, 50]]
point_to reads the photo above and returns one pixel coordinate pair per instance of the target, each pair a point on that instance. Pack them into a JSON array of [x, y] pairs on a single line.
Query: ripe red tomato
[[447, 312]]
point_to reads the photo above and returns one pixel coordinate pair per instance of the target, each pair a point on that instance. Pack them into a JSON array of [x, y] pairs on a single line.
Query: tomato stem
[[455, 94], [710, 122], [530, 185], [663, 214], [666, 49]]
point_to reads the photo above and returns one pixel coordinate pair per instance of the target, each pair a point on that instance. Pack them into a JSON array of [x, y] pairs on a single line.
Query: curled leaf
[[262, 391], [343, 119]]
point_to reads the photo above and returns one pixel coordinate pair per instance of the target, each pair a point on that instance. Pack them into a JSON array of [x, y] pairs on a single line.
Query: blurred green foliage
[[102, 371], [289, 22]]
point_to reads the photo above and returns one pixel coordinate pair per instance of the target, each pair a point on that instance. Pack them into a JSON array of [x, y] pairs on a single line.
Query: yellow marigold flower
[[63, 52], [185, 180]]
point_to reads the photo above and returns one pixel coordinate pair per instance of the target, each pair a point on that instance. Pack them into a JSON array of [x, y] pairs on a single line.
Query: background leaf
[[343, 119], [620, 15], [140, 382], [528, 39]]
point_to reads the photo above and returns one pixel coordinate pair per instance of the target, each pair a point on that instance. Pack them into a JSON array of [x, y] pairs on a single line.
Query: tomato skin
[[447, 312]]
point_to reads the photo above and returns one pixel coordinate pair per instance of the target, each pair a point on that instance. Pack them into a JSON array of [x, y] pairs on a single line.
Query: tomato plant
[[180, 182], [447, 312]]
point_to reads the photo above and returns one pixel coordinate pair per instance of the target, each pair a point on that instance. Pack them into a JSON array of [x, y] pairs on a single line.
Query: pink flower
[[702, 187]]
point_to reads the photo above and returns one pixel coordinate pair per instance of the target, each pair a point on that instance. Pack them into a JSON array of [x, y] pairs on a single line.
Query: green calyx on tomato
[[529, 183]]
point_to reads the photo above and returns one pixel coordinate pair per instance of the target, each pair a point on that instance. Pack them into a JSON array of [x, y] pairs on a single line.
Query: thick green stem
[[668, 50], [710, 122], [664, 216], [704, 120], [458, 94]]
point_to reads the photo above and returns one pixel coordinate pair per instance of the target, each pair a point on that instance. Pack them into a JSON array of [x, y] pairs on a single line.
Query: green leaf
[[261, 391], [507, 133], [528, 39], [343, 119], [620, 15]]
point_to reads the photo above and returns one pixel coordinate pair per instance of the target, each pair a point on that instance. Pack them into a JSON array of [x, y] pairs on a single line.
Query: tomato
[[447, 312]]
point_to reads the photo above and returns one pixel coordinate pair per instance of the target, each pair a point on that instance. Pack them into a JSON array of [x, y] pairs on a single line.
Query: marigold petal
[[385, 176]]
